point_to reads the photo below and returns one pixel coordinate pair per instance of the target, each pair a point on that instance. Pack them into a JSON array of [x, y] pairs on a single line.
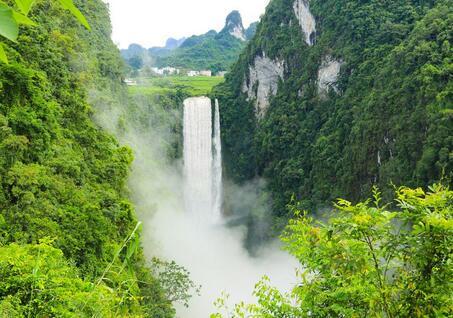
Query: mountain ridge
[[212, 50], [332, 97]]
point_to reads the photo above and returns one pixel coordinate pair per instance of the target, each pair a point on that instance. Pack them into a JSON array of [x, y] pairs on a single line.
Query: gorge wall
[[331, 97], [64, 208]]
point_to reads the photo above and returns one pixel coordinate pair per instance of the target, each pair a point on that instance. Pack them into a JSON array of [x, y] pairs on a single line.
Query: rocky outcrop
[[234, 26], [306, 20], [262, 82], [172, 43], [238, 33], [328, 75]]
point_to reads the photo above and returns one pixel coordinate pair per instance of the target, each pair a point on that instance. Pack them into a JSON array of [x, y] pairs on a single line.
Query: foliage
[[11, 19], [62, 177], [136, 62], [37, 281], [175, 280], [368, 261], [210, 51], [213, 51], [388, 122]]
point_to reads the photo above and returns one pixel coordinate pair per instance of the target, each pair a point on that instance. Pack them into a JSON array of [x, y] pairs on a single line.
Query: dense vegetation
[[388, 121], [215, 51], [69, 237], [366, 261], [212, 51]]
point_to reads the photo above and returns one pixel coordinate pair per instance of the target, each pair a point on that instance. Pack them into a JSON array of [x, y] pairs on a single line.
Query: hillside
[[332, 97], [69, 237], [215, 51], [137, 56], [162, 196]]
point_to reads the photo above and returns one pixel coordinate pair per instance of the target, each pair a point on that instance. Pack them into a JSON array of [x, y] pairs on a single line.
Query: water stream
[[198, 174], [181, 209], [217, 167]]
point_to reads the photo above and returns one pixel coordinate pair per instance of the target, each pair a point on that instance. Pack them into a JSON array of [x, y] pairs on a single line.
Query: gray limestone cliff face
[[234, 26], [328, 75], [262, 82], [306, 20], [238, 33]]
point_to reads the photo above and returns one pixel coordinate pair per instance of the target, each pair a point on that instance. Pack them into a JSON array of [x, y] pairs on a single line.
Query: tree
[[10, 19], [175, 280], [37, 281], [368, 261], [136, 62], [62, 178]]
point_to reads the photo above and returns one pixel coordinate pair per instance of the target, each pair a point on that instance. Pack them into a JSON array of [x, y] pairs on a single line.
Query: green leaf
[[8, 25], [22, 19], [69, 5], [25, 5], [3, 57]]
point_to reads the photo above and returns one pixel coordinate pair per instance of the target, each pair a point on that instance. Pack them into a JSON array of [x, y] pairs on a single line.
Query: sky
[[151, 22]]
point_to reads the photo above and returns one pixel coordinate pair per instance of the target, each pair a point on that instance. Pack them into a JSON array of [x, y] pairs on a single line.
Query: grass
[[193, 86]]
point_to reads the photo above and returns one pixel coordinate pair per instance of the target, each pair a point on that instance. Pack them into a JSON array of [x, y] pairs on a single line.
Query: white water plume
[[198, 157], [217, 166], [213, 253]]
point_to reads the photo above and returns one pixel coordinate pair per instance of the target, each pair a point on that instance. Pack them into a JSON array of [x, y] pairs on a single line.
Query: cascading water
[[217, 167], [198, 157], [202, 160], [194, 236]]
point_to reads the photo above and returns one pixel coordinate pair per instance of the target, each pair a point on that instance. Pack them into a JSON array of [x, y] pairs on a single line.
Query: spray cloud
[[213, 254]]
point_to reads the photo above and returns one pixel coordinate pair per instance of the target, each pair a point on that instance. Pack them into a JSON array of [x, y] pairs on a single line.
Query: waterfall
[[198, 157], [202, 160], [217, 167]]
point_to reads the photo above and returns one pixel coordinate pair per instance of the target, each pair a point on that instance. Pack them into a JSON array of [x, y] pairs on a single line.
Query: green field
[[193, 86]]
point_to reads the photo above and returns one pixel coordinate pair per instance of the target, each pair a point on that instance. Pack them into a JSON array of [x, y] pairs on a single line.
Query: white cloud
[[151, 22]]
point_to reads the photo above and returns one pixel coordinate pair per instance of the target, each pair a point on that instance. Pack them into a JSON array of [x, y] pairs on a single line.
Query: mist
[[213, 254]]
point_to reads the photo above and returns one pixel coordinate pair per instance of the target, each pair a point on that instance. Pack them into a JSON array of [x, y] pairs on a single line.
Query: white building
[[166, 70], [158, 71], [170, 70], [193, 73], [206, 73], [130, 82]]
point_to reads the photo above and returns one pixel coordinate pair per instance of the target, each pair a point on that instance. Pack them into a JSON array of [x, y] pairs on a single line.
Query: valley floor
[[193, 86]]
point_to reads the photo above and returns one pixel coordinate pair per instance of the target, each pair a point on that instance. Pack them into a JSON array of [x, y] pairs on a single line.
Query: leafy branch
[[11, 18]]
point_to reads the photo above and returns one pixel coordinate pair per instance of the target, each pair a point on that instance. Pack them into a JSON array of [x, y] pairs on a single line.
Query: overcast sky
[[151, 22]]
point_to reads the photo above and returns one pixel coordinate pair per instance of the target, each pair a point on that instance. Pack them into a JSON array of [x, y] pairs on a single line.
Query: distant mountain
[[170, 45], [174, 43], [212, 50], [137, 56], [234, 26]]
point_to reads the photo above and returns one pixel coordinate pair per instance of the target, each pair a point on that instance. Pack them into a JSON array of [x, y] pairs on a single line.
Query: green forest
[[69, 235], [215, 51], [358, 264], [388, 124], [381, 137]]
